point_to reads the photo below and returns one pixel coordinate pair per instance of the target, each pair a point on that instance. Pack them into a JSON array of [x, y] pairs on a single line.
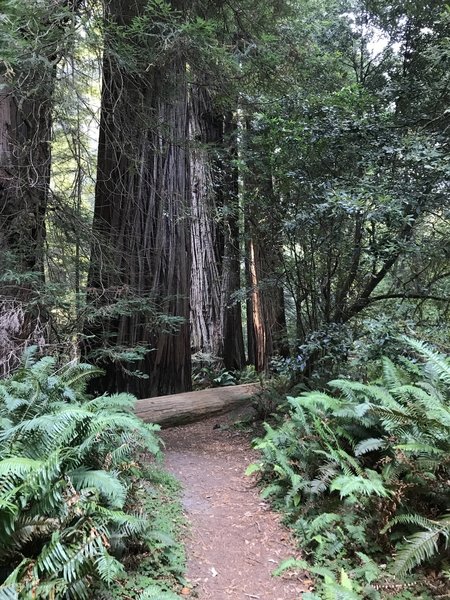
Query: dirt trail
[[236, 541]]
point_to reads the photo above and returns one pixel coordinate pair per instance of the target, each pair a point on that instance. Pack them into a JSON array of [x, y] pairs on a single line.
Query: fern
[[106, 483], [109, 568], [369, 445], [381, 447], [8, 593], [420, 546], [63, 480], [439, 362], [393, 377], [360, 486]]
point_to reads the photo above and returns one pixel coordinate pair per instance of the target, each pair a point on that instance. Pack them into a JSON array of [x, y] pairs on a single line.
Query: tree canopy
[[229, 182]]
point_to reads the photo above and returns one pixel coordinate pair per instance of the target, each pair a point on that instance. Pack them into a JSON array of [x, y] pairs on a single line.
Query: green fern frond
[[77, 375], [323, 521], [126, 523], [417, 448], [24, 529], [118, 402], [82, 554], [419, 547], [19, 466], [369, 445], [411, 519], [354, 390], [339, 592], [315, 400], [290, 563], [440, 363], [107, 484], [392, 376], [109, 568], [29, 357], [8, 592], [52, 557], [43, 368], [79, 589], [358, 485]]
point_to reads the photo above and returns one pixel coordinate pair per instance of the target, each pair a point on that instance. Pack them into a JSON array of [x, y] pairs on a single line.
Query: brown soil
[[236, 541]]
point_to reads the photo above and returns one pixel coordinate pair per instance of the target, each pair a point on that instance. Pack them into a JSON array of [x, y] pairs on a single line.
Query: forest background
[[200, 193], [171, 172]]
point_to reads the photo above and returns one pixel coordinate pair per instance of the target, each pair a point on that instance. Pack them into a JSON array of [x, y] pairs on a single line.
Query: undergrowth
[[362, 474], [76, 501], [159, 567]]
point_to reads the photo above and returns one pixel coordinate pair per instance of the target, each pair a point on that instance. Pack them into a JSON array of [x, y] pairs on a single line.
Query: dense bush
[[67, 476], [362, 467]]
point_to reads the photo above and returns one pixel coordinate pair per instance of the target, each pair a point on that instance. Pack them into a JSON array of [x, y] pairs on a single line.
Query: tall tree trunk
[[233, 341], [26, 108], [25, 131], [25, 125], [215, 314], [141, 219], [206, 133], [266, 320]]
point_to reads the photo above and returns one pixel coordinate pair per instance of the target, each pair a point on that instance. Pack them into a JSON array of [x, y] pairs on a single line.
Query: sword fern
[[64, 480]]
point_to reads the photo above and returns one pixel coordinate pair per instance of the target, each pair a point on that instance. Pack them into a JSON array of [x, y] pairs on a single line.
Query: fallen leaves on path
[[236, 541]]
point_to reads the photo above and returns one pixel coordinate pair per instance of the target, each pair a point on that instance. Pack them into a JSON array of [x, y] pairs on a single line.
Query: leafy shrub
[[366, 466], [208, 372], [67, 471]]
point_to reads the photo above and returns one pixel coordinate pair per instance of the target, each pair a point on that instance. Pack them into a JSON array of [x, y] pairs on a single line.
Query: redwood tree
[[140, 265], [206, 133], [215, 315], [32, 45]]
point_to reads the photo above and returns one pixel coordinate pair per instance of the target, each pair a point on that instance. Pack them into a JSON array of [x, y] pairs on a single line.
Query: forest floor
[[235, 541]]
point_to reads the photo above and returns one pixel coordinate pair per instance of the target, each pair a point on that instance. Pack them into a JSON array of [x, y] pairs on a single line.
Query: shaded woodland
[[196, 194], [238, 184]]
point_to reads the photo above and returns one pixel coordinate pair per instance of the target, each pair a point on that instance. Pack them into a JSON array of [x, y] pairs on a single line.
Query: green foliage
[[359, 469], [68, 474], [423, 545], [160, 566], [207, 371]]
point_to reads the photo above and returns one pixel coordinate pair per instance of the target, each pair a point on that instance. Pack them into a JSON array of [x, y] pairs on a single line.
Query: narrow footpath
[[236, 541]]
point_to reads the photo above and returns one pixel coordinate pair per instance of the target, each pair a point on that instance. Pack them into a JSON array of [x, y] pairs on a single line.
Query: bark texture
[[206, 134], [25, 132], [142, 255], [215, 315], [233, 341], [177, 409]]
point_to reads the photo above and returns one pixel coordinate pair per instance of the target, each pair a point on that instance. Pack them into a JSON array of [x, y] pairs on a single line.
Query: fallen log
[[178, 409]]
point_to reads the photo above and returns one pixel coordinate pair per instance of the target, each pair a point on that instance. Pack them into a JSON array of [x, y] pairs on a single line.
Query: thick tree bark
[[141, 220], [266, 319], [233, 341], [26, 110], [206, 133], [25, 126], [215, 315], [25, 132], [24, 181]]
